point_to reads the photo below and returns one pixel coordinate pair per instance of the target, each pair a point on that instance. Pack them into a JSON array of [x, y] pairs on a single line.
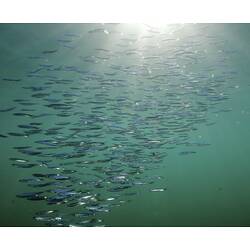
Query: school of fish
[[91, 126]]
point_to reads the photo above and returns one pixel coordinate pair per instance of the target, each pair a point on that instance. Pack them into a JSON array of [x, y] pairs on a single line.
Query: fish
[[24, 165], [7, 110], [23, 114], [11, 79], [37, 198], [29, 195], [49, 51], [187, 152], [98, 30], [158, 190], [119, 188], [55, 200], [58, 177]]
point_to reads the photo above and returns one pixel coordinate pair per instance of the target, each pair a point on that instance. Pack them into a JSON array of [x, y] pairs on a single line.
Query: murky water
[[124, 125]]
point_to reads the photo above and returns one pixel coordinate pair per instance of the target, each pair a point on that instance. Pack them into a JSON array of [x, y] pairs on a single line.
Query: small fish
[[40, 175], [37, 198], [18, 160], [187, 152], [24, 165], [49, 51], [96, 31], [7, 110], [45, 184], [158, 190], [67, 171], [11, 79], [16, 134], [55, 200], [58, 177], [119, 188], [23, 114], [30, 152], [85, 214], [27, 180], [28, 194]]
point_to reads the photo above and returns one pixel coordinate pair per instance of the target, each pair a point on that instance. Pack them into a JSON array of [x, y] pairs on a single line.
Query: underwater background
[[124, 125]]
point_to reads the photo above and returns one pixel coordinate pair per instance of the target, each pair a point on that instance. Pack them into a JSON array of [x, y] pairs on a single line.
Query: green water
[[154, 82]]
